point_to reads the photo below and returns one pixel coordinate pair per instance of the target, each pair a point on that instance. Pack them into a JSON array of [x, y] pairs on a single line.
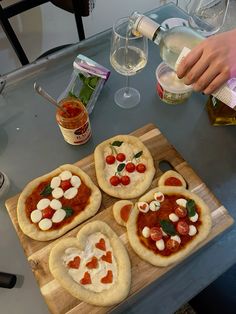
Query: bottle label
[[77, 136]]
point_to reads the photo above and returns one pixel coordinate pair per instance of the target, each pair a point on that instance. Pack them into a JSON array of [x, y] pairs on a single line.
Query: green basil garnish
[[139, 154], [69, 211], [120, 167], [168, 227], [191, 208], [47, 190], [117, 143]]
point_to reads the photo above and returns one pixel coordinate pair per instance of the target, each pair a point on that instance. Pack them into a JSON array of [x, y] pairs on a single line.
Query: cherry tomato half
[[120, 157], [115, 180], [110, 159], [48, 212], [172, 245], [65, 185], [125, 180], [130, 167], [156, 233], [141, 168], [181, 211], [182, 227]]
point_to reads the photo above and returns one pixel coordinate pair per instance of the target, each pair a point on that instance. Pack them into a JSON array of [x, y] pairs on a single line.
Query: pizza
[[121, 211], [124, 166], [172, 178], [94, 267], [54, 203], [167, 223]]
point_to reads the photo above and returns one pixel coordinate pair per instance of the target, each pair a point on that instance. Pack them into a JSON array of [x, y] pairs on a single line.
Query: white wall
[[47, 26]]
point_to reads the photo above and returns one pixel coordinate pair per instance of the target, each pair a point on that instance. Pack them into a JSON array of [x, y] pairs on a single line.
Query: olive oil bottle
[[219, 113]]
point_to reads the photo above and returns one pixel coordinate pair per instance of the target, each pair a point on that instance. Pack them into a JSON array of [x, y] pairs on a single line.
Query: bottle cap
[[146, 26]]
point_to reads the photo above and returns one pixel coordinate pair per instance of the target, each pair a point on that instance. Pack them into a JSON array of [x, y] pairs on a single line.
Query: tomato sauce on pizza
[[165, 229]]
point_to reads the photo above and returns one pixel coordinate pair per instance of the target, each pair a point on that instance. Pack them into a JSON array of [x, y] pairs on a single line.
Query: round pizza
[[124, 166], [167, 223], [54, 203], [94, 267]]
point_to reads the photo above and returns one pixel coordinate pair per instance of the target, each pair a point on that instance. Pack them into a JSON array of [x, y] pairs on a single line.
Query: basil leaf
[[191, 208], [168, 227], [139, 154], [120, 167], [46, 191], [117, 143], [69, 211]]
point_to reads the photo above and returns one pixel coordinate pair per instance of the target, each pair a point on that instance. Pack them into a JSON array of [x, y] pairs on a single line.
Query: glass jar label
[[77, 136]]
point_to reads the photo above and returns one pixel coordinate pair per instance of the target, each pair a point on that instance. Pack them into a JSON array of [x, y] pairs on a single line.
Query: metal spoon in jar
[[48, 97]]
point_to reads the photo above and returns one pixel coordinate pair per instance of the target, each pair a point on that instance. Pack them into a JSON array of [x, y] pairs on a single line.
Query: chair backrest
[[24, 5]]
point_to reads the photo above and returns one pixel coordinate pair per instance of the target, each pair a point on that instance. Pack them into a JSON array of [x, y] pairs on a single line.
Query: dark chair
[[78, 7]]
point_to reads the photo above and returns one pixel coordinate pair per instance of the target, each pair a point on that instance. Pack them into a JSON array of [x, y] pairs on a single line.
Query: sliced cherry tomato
[[172, 245], [172, 181], [93, 263], [125, 180], [181, 211], [110, 159], [101, 245], [115, 180], [130, 167], [75, 263], [108, 278], [65, 185], [141, 168], [125, 212], [156, 233], [48, 212], [108, 257], [182, 227], [120, 157], [86, 280]]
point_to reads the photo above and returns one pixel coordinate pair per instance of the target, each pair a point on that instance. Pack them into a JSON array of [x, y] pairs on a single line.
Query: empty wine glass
[[207, 16], [128, 56]]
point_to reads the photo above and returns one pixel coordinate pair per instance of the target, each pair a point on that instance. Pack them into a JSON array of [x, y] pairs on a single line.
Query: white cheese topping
[[75, 181], [59, 215], [70, 193], [154, 206], [160, 244], [192, 230], [55, 182], [96, 274], [181, 202], [57, 193], [146, 232], [159, 196], [45, 224], [36, 215], [176, 238], [194, 218], [173, 217], [65, 175], [55, 204], [43, 203], [143, 207]]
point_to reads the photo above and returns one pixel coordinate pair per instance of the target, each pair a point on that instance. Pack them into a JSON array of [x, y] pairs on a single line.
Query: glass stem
[[127, 93]]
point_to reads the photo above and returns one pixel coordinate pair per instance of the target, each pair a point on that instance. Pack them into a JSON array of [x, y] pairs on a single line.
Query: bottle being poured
[[175, 44]]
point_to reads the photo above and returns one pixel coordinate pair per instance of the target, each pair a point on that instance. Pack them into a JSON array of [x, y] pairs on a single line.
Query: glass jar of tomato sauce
[[73, 120]]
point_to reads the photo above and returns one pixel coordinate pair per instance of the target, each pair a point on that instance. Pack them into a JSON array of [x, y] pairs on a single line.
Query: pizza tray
[[143, 274]]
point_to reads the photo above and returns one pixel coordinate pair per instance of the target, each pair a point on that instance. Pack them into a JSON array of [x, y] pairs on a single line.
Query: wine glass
[[207, 16], [128, 56]]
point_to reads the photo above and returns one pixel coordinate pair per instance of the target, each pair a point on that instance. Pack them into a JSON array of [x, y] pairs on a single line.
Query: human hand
[[211, 63]]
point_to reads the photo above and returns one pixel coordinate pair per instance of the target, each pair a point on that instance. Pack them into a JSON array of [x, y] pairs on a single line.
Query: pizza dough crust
[[31, 229], [159, 260], [169, 174], [130, 191], [116, 211], [121, 287]]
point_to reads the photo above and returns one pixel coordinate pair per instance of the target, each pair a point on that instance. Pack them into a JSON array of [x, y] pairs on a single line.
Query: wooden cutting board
[[59, 300]]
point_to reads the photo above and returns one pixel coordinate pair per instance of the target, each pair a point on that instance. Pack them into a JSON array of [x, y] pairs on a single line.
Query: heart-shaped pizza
[[168, 222], [52, 204], [124, 166], [94, 267]]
